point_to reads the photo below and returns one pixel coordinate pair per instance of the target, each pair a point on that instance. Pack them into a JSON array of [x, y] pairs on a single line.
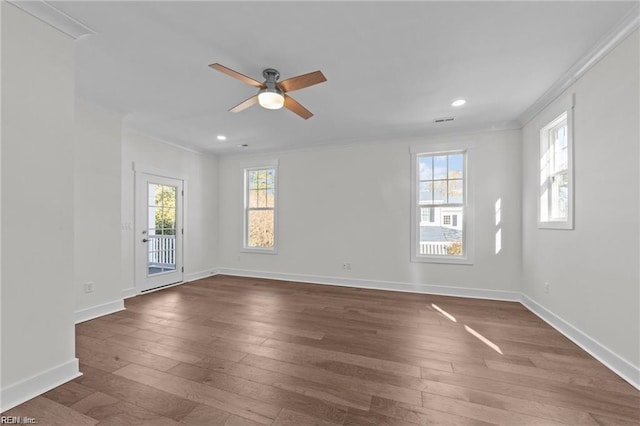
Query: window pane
[[456, 166], [271, 199], [455, 190], [153, 188], [426, 192], [271, 178], [442, 237], [252, 177], [560, 196], [262, 179], [262, 198], [168, 195], [440, 192], [168, 217], [260, 228], [440, 167], [426, 168], [253, 198], [559, 147]]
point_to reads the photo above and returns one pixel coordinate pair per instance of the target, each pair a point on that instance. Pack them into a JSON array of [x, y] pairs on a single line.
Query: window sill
[[258, 250], [442, 260], [561, 225]]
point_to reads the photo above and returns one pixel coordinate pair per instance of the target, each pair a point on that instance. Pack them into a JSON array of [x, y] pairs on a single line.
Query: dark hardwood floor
[[242, 351]]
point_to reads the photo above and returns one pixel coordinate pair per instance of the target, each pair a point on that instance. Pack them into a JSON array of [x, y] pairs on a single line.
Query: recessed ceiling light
[[221, 137], [458, 102]]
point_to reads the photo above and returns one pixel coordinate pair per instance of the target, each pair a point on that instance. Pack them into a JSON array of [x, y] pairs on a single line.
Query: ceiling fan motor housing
[[271, 97]]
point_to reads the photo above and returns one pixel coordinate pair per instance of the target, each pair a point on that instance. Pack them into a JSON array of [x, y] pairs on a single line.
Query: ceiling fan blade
[[245, 104], [302, 81], [293, 105], [235, 74]]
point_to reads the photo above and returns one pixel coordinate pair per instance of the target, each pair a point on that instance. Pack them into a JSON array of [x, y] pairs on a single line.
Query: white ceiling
[[392, 67]]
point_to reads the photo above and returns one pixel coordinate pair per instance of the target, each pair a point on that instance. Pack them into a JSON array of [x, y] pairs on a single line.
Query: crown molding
[[54, 17], [627, 25]]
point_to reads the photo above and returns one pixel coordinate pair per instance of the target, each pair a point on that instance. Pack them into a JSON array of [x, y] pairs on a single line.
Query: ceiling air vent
[[443, 120]]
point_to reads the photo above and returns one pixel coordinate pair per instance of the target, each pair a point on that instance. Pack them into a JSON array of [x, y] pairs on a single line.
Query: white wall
[[593, 269], [38, 300], [96, 183], [352, 204], [200, 174]]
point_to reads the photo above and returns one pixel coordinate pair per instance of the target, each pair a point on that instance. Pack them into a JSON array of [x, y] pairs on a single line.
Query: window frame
[[246, 248], [561, 111], [467, 205]]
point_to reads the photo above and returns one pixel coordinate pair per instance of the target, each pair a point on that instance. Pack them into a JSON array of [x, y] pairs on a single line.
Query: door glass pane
[[161, 229]]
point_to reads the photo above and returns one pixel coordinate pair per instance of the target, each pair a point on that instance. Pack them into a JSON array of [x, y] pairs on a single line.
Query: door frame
[[143, 169]]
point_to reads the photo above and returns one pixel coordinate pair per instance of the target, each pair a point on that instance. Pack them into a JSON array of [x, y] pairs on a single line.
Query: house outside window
[[439, 186], [555, 201], [260, 209]]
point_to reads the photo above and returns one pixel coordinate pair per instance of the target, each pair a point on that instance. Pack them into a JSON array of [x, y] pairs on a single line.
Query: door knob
[[144, 240]]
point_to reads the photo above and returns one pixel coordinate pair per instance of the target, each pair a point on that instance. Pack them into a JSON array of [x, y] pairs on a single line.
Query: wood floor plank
[[333, 394], [614, 384], [284, 398], [512, 404], [109, 410], [293, 418], [69, 393], [567, 397], [120, 352], [368, 387], [319, 355], [206, 415], [420, 415], [240, 405], [237, 351], [49, 413], [481, 412], [141, 395]]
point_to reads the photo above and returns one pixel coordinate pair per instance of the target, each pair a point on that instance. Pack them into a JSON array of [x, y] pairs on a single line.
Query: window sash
[[460, 179], [261, 184], [555, 198]]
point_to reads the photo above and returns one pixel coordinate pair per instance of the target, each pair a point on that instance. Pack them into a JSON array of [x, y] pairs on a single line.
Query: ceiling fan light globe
[[270, 99]]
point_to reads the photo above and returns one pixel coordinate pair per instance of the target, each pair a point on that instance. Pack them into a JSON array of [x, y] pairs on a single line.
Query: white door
[[158, 231]]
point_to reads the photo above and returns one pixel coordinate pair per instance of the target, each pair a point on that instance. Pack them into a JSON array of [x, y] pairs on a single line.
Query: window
[[440, 189], [260, 209], [556, 181], [427, 215]]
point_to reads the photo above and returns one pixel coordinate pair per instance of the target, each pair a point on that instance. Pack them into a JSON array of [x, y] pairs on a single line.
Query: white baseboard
[[99, 310], [129, 292], [200, 275], [27, 389], [442, 290], [610, 359]]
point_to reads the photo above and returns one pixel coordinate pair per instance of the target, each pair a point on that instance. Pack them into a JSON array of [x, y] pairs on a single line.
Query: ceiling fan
[[273, 93]]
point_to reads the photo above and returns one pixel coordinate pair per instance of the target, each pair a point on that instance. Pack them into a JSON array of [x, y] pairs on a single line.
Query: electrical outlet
[[546, 287], [346, 266], [88, 287]]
